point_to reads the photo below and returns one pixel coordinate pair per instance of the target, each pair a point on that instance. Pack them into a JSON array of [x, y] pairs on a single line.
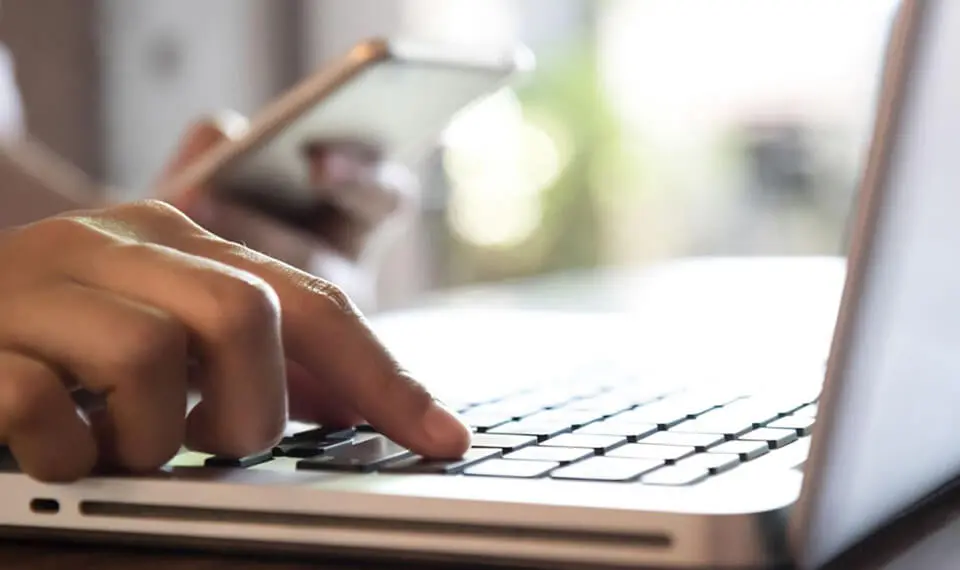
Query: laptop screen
[[888, 433]]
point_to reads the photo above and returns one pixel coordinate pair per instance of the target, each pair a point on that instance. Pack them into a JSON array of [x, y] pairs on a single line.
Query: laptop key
[[571, 418], [607, 469], [675, 476], [736, 419], [417, 464], [757, 415], [766, 403], [306, 448], [481, 418], [600, 405], [239, 462], [540, 431], [486, 425], [562, 455], [511, 468], [693, 406], [364, 456], [662, 417], [518, 407], [700, 441], [631, 431], [807, 411], [803, 425], [713, 462], [646, 451], [598, 443], [774, 437], [506, 442], [728, 427], [746, 450], [322, 434]]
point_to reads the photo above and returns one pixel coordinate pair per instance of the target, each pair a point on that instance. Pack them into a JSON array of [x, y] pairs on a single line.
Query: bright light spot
[[548, 140], [483, 123], [494, 221], [498, 163], [491, 23], [538, 158], [678, 78]]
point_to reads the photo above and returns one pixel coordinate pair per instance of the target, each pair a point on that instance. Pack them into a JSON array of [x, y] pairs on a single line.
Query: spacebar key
[[418, 464], [366, 455]]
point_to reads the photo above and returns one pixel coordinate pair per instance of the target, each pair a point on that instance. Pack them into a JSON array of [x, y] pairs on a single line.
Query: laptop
[[613, 470]]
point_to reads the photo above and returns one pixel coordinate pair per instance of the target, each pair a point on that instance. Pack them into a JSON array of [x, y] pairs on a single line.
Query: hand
[[137, 304], [356, 192]]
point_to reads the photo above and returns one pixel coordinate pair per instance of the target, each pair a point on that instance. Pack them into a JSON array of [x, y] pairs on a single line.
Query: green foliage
[[565, 98]]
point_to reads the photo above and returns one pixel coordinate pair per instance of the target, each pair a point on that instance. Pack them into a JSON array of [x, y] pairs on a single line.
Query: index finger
[[324, 333]]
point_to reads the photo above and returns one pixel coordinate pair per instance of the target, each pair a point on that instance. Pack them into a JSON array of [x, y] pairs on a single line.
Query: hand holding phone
[[331, 157], [356, 191]]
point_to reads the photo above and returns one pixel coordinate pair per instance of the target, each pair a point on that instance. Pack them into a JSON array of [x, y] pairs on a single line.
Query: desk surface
[[54, 556]]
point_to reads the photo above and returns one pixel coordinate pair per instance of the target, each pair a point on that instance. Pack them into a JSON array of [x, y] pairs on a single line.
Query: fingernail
[[448, 432]]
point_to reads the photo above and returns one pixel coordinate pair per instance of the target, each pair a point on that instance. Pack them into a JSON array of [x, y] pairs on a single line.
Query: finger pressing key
[[324, 333], [321, 330]]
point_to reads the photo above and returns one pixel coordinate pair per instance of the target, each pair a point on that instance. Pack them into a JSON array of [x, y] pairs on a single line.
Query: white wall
[[331, 27], [168, 62], [677, 67]]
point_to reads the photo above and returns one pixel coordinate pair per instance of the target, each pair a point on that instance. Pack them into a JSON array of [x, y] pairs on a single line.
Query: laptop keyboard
[[610, 435], [605, 435]]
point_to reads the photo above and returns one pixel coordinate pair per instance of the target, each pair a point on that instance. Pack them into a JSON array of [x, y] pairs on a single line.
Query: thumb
[[202, 137]]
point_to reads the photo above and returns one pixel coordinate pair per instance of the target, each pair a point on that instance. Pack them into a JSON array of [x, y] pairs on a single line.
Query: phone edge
[[316, 86], [277, 114]]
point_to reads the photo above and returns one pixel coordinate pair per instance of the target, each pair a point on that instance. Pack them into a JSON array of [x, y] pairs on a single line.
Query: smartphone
[[395, 96]]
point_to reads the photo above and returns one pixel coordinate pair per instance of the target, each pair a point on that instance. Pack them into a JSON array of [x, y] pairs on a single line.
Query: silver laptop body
[[638, 496]]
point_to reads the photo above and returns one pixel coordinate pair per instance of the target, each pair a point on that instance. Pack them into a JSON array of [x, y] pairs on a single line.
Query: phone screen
[[396, 106]]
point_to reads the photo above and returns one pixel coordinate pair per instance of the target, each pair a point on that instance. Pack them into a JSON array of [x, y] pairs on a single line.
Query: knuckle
[[44, 240], [147, 340], [153, 208], [62, 227], [240, 304], [156, 214], [57, 230], [25, 395]]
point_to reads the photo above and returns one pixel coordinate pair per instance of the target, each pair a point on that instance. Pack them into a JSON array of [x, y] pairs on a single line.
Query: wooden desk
[[55, 556]]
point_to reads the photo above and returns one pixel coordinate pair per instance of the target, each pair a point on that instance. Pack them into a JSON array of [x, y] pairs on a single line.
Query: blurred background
[[652, 129]]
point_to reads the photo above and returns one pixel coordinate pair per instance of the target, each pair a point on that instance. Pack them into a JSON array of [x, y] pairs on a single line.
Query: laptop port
[[45, 506]]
